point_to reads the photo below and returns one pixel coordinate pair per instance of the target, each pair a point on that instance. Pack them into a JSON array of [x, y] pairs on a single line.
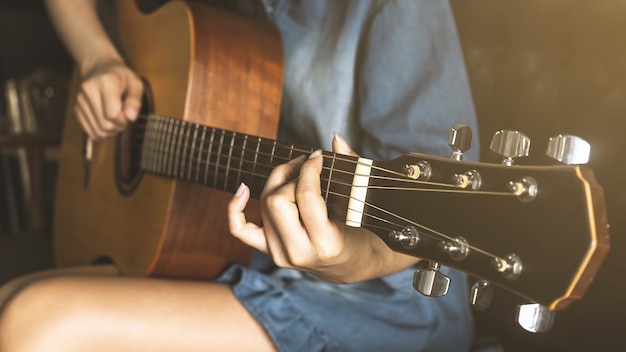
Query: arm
[[110, 93]]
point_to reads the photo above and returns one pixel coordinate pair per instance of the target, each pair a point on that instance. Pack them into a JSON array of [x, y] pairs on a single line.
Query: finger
[[82, 119], [132, 99], [313, 208], [86, 117], [249, 233], [282, 174], [288, 241], [275, 201], [93, 102], [112, 118]]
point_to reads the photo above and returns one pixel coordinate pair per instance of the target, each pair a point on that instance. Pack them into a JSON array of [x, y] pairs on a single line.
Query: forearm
[[80, 29]]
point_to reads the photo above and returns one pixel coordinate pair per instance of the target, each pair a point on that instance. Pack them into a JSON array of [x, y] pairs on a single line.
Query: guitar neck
[[223, 159]]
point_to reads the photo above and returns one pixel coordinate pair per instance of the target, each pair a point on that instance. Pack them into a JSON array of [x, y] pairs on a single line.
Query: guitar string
[[206, 160]]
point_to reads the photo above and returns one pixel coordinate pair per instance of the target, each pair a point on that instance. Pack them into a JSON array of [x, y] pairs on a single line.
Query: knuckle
[[273, 201]]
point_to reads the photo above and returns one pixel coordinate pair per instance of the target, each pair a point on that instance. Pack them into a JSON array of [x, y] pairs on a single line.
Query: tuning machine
[[510, 145], [534, 317], [431, 282], [481, 294], [460, 140], [568, 149]]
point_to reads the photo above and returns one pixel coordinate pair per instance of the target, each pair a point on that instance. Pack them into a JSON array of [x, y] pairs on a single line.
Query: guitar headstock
[[540, 232]]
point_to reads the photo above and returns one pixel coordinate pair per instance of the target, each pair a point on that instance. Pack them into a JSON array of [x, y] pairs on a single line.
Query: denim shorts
[[302, 313]]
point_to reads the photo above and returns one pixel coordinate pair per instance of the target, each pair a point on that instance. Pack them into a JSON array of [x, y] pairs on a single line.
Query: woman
[[387, 75]]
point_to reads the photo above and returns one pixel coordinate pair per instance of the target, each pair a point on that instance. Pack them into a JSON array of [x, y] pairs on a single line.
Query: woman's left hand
[[297, 232]]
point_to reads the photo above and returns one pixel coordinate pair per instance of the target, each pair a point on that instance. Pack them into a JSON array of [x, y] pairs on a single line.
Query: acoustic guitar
[[153, 200]]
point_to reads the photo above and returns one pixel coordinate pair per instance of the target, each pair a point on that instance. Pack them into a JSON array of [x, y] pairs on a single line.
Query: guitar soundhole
[[129, 146]]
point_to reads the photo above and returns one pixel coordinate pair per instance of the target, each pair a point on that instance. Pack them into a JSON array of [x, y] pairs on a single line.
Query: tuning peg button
[[510, 144], [534, 317], [460, 140], [481, 294], [431, 282], [568, 149]]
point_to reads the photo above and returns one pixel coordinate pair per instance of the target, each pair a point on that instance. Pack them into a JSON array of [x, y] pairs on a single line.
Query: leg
[[102, 313]]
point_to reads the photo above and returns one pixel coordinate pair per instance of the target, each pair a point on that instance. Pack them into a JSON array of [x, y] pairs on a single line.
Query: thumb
[[341, 146]]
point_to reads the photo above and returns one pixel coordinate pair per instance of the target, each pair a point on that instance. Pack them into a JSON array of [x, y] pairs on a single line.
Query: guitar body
[[202, 66]]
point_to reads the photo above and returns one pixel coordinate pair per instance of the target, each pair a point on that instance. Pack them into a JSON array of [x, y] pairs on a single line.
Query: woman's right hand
[[110, 96]]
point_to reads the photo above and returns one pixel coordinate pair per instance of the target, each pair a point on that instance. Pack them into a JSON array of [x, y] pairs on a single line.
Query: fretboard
[[223, 159]]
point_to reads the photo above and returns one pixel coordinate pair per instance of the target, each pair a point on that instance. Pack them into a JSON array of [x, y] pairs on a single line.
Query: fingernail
[[315, 154], [240, 190]]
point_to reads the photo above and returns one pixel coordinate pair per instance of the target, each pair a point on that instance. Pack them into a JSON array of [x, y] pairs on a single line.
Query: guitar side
[[206, 67]]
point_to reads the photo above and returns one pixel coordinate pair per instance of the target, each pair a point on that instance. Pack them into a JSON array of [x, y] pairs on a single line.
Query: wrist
[[92, 62]]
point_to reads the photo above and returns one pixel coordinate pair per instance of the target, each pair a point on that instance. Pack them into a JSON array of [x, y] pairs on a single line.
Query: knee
[[37, 317]]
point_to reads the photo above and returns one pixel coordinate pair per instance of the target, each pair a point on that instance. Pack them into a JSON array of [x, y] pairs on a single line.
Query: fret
[[167, 148], [200, 149], [193, 148], [208, 156], [256, 156], [290, 157], [242, 155], [272, 153], [175, 152], [172, 134], [229, 159], [187, 128], [249, 161], [157, 143], [218, 157], [161, 144], [326, 176]]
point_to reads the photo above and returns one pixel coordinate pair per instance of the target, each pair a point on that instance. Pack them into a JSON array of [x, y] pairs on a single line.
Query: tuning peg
[[534, 317], [568, 149], [510, 144], [480, 295], [431, 282], [460, 140]]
